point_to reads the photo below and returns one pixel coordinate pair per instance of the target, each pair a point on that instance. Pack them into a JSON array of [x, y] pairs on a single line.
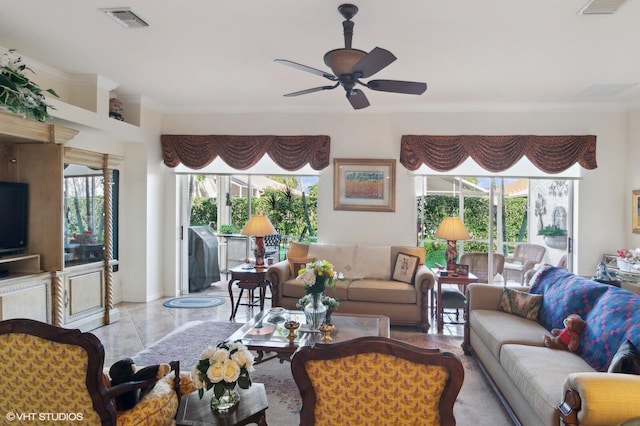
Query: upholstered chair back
[[479, 265], [376, 380], [48, 369], [51, 371]]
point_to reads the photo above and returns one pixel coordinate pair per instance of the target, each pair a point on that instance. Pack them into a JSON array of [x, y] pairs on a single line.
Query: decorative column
[[108, 240], [59, 300]]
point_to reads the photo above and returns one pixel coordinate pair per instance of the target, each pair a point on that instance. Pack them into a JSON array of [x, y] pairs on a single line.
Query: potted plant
[[18, 93], [554, 236], [227, 229]]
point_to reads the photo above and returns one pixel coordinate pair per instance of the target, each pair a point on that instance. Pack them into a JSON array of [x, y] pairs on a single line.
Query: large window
[[498, 212]]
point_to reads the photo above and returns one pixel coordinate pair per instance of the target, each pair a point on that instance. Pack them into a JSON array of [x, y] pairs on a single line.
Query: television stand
[[21, 264]]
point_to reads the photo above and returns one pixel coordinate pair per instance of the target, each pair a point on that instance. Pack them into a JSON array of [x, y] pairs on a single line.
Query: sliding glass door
[[499, 213]]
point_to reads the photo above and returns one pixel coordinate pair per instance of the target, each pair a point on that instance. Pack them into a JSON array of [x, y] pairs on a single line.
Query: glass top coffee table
[[265, 332]]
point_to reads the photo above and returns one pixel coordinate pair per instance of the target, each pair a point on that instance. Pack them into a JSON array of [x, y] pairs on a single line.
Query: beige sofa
[[368, 286], [533, 380]]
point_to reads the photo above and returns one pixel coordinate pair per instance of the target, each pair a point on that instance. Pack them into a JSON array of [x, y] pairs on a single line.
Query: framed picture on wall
[[364, 184], [635, 214]]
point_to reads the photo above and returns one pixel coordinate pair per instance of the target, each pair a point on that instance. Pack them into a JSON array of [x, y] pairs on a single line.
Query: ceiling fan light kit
[[350, 65]]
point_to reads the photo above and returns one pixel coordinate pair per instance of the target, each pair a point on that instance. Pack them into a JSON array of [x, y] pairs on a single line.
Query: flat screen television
[[14, 217]]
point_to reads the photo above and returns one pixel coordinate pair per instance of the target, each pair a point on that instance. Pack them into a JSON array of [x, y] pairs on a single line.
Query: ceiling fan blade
[[373, 62], [301, 67], [312, 90], [357, 99], [396, 86]]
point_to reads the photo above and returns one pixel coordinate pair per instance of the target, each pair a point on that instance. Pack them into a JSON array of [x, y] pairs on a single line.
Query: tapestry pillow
[[626, 360], [520, 303], [405, 268], [297, 263]]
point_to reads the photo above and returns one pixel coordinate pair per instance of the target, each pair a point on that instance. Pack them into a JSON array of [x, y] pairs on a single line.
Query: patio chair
[[49, 369], [479, 265], [525, 257], [376, 380], [272, 247]]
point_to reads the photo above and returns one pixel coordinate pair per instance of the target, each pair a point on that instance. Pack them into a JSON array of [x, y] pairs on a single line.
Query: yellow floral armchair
[[53, 375], [376, 380]]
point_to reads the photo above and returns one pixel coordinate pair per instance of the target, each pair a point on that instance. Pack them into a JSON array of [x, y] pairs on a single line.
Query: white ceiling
[[213, 55]]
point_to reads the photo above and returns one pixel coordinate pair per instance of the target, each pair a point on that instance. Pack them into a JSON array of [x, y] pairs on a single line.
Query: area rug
[[194, 302], [476, 404]]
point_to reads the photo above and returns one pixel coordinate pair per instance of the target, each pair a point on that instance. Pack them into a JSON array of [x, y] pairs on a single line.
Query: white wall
[[601, 205], [633, 164]]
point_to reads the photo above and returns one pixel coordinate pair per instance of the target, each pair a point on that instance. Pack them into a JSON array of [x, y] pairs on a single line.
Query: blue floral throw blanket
[[611, 313]]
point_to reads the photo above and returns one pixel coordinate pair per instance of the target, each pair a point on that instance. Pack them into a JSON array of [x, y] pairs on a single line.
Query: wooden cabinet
[[25, 292], [39, 285]]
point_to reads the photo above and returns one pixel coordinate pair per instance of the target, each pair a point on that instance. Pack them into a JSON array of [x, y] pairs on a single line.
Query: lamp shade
[[452, 229], [258, 226]]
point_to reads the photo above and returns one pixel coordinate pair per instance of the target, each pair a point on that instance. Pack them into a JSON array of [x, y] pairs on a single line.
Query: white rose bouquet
[[222, 367]]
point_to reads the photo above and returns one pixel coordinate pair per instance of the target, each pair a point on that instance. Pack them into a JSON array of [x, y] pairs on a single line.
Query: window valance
[[551, 154], [242, 152]]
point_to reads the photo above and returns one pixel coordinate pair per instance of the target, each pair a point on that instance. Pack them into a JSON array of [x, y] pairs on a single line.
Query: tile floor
[[141, 324]]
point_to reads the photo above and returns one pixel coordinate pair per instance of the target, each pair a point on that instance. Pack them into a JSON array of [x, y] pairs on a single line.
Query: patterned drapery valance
[[242, 152], [551, 154]]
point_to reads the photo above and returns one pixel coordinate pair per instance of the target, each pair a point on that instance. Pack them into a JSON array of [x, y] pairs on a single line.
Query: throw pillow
[[626, 360], [405, 268], [297, 249], [523, 304], [297, 263]]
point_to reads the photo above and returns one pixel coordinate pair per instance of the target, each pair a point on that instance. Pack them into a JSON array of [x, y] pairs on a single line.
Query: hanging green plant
[[19, 94], [553, 231]]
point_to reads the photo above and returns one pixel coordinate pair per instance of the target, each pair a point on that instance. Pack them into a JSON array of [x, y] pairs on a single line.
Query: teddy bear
[[569, 337], [125, 370]]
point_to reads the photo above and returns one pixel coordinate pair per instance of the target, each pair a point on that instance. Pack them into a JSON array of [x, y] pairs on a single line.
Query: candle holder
[[292, 326], [326, 330]]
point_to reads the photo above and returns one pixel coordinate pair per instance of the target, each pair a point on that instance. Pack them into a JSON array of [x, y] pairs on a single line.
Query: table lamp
[[258, 226], [452, 229]]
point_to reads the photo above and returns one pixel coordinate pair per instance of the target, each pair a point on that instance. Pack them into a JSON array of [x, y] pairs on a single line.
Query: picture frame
[[364, 184], [461, 269], [635, 213], [609, 258]]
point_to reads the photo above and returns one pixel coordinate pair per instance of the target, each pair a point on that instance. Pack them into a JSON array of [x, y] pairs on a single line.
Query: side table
[[252, 408], [462, 280], [248, 279]]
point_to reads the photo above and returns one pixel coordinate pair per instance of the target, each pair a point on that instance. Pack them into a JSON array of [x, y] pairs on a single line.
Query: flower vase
[[315, 312], [227, 401], [327, 318]]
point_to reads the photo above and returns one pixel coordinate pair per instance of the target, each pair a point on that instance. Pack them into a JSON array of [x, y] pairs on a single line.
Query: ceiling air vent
[[126, 17], [601, 7]]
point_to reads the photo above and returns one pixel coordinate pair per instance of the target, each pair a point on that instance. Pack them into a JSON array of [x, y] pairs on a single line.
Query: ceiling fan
[[349, 66]]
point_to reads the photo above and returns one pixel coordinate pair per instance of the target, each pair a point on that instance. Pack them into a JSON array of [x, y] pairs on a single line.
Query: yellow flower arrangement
[[317, 275]]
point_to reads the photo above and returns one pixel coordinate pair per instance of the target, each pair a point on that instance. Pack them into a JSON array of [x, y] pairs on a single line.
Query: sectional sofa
[[380, 280], [533, 380]]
